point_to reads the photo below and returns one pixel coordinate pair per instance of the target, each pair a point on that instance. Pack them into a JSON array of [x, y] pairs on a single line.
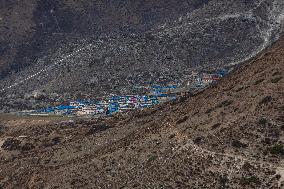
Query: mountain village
[[116, 103]]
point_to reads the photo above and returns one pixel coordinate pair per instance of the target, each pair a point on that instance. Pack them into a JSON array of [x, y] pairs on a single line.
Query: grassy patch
[[152, 158]]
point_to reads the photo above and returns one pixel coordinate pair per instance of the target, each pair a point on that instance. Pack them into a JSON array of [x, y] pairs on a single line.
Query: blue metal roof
[[62, 107], [162, 95]]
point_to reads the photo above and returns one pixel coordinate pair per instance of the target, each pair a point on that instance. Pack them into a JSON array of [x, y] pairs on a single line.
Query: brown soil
[[229, 136]]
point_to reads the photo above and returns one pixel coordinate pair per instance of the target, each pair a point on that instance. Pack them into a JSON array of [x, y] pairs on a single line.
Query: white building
[[88, 110]]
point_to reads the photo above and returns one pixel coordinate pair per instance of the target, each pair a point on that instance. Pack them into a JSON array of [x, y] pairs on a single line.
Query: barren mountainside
[[95, 47], [231, 135]]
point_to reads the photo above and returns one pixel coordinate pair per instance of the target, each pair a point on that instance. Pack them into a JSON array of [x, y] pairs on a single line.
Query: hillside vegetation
[[231, 135]]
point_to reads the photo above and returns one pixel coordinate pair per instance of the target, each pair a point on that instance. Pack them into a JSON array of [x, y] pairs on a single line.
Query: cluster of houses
[[115, 103], [107, 106], [202, 80]]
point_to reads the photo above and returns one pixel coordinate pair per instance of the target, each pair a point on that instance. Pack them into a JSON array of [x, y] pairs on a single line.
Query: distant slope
[[229, 136], [168, 41], [30, 28]]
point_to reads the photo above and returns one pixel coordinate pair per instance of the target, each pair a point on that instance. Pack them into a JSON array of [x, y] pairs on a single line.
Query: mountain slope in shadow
[[92, 55]]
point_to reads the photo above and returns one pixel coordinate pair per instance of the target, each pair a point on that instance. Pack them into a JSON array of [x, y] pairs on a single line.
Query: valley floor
[[230, 136]]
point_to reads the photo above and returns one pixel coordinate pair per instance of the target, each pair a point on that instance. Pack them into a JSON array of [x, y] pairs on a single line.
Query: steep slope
[[32, 26], [229, 136], [194, 35]]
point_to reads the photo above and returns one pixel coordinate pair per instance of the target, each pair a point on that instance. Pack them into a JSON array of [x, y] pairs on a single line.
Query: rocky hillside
[[229, 136], [100, 47], [30, 27]]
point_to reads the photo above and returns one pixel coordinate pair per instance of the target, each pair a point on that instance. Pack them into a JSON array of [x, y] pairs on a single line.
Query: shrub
[[225, 103], [258, 81], [56, 140], [2, 129], [209, 110], [278, 176], [263, 121], [276, 80], [182, 99], [98, 128], [224, 180], [251, 180], [152, 158], [11, 144], [215, 126], [239, 89], [198, 140], [238, 144], [276, 73], [182, 120], [277, 149], [266, 100], [229, 89], [172, 136], [27, 147], [247, 166]]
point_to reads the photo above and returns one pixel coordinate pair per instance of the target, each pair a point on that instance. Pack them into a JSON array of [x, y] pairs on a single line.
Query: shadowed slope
[[77, 61]]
